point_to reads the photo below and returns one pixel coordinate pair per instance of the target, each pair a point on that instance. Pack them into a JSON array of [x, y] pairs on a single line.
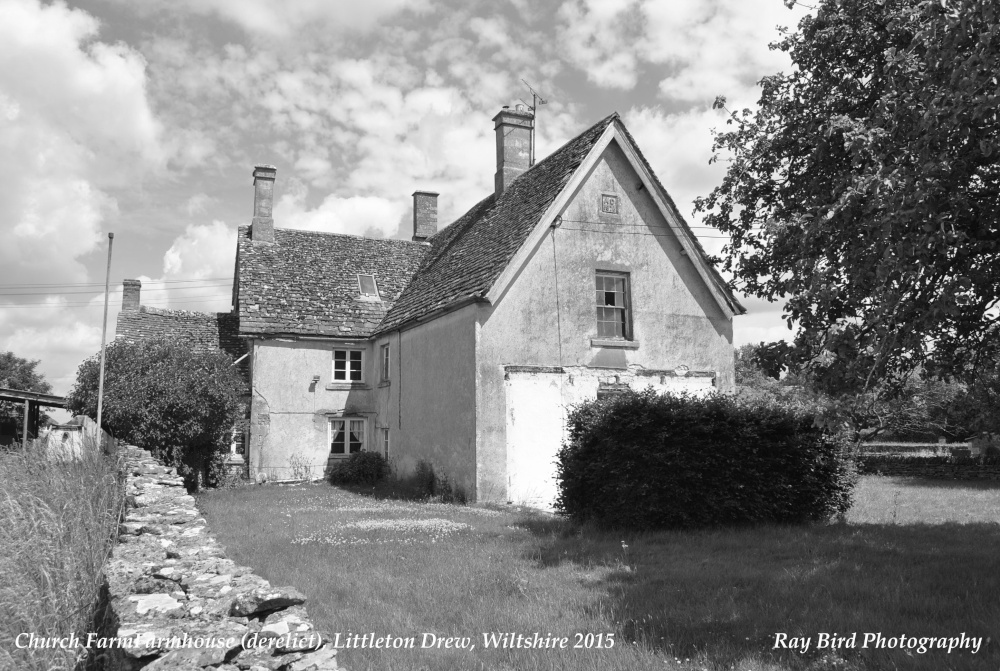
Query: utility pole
[[104, 333], [536, 100]]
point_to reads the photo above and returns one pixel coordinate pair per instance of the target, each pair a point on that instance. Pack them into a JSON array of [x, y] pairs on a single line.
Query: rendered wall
[[290, 413], [431, 400], [548, 315]]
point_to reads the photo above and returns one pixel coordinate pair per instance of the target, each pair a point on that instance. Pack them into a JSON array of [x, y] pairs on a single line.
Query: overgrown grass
[[58, 522], [682, 600]]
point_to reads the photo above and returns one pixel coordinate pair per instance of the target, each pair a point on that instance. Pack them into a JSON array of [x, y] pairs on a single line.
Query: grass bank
[[912, 559], [58, 522]]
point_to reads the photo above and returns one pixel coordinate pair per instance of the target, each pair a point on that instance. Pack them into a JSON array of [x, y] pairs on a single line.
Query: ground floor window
[[385, 443], [347, 435]]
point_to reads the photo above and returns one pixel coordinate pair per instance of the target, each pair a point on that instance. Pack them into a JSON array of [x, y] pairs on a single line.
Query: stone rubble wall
[[171, 589]]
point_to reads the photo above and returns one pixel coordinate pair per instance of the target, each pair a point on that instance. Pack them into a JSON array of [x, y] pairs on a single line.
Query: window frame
[[361, 288], [384, 438], [626, 308], [385, 363], [347, 369], [346, 420]]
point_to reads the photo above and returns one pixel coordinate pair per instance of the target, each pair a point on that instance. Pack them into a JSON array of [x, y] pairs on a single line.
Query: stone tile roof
[[306, 283], [467, 257], [202, 330]]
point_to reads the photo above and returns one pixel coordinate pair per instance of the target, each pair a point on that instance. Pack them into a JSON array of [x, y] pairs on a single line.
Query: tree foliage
[[21, 374], [161, 396], [919, 408], [865, 189], [18, 373]]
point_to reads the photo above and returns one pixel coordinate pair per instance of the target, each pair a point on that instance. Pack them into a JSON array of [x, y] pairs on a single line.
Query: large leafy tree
[[162, 396], [21, 374], [865, 189]]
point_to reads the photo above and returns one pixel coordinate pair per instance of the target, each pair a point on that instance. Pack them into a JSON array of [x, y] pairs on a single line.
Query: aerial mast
[[536, 100]]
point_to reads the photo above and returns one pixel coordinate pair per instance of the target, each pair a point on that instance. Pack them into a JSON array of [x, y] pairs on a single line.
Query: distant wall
[[941, 468], [174, 601]]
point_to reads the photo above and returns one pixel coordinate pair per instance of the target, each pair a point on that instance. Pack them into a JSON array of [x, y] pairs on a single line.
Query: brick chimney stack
[[513, 128], [263, 196], [425, 215], [130, 294]]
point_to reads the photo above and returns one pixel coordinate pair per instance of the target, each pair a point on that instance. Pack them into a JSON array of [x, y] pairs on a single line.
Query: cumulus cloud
[[715, 47], [77, 123], [598, 35], [76, 126], [287, 18], [354, 215]]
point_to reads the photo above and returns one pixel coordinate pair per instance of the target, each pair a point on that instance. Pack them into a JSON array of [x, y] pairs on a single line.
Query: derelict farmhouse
[[464, 346]]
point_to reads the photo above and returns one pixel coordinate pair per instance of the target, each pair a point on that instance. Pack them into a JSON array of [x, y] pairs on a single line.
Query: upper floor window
[[384, 377], [347, 365], [613, 305], [366, 284]]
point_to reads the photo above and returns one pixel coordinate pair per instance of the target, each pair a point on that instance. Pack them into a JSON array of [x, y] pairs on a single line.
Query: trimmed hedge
[[643, 461]]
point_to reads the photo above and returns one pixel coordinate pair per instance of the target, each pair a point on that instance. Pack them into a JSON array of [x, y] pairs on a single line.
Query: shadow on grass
[[724, 595]]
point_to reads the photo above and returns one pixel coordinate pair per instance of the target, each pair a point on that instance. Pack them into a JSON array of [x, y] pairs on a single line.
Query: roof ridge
[[345, 235]]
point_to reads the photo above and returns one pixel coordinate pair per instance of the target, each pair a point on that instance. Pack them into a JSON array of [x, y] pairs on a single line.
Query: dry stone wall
[[938, 468], [175, 601]]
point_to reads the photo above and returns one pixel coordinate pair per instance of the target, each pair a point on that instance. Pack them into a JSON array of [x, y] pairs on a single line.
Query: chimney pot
[[514, 129], [425, 215], [262, 229], [130, 294]]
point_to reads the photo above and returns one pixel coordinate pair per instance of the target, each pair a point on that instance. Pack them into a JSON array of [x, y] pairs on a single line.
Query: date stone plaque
[[609, 204]]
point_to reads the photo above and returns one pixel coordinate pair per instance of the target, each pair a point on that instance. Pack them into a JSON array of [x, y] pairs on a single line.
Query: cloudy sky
[[145, 119]]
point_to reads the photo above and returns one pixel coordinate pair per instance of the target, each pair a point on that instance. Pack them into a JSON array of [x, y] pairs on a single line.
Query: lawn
[[912, 558]]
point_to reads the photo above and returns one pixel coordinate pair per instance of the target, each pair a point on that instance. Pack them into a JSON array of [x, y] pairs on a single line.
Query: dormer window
[[366, 284]]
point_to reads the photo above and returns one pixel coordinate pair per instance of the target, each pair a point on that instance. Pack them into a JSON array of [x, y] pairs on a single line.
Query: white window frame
[[384, 440], [347, 370], [361, 289], [626, 308], [385, 361], [346, 420]]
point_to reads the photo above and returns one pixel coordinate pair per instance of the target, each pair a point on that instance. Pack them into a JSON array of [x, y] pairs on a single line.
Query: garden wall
[[174, 601], [941, 468]]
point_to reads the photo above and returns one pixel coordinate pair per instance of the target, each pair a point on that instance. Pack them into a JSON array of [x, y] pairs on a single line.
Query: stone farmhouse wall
[[175, 601]]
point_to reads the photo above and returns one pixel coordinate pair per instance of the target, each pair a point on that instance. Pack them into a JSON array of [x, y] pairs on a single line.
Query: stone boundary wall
[[170, 588], [939, 468]]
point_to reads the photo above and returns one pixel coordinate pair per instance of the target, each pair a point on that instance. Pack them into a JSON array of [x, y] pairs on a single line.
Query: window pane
[[357, 435], [337, 442], [356, 356], [612, 317], [339, 355], [367, 283]]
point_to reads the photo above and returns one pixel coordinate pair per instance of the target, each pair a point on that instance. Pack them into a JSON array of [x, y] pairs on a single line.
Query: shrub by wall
[[361, 468], [644, 461]]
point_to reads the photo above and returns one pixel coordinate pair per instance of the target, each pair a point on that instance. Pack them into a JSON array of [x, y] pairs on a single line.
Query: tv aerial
[[536, 100]]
